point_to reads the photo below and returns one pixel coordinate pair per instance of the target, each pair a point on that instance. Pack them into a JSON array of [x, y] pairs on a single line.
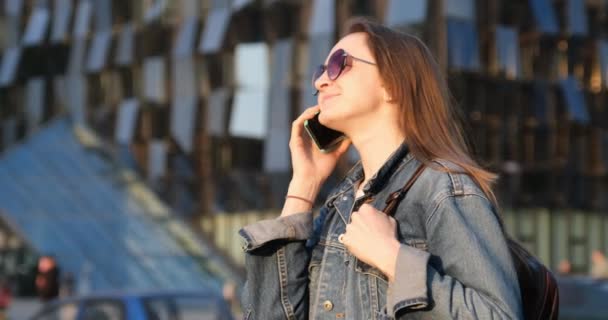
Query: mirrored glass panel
[[322, 19], [183, 120], [507, 51], [154, 79], [249, 116], [77, 56], [186, 38], [544, 16], [403, 13], [98, 52], [37, 27], [577, 18], [13, 7], [155, 10], [215, 29], [462, 9], [10, 62], [13, 10], [82, 20], [251, 65], [281, 72], [126, 121], [62, 10], [574, 100], [125, 46], [103, 14], [463, 50], [250, 106]]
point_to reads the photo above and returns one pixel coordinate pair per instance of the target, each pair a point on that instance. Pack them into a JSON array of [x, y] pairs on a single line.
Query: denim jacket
[[453, 263]]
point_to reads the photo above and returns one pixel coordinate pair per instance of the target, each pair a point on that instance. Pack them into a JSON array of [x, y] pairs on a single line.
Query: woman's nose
[[321, 82]]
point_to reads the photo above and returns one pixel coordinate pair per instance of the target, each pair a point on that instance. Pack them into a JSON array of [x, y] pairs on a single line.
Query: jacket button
[[327, 305]]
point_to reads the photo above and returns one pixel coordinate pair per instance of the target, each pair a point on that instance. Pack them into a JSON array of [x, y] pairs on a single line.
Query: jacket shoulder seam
[[442, 197]]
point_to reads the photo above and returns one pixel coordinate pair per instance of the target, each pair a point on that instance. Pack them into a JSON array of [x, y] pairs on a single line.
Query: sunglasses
[[336, 64]]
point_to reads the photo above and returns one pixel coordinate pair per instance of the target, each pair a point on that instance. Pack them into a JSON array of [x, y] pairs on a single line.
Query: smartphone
[[325, 138]]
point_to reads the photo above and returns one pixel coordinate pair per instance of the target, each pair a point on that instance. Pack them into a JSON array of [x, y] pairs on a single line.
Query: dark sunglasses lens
[[335, 64], [317, 74]]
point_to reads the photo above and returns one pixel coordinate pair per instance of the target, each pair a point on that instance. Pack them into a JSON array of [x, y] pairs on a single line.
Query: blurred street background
[[138, 136]]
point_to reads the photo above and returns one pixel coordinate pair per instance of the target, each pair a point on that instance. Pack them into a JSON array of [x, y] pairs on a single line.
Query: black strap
[[394, 198]]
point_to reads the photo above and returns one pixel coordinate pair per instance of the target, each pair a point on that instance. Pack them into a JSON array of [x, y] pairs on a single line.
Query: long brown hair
[[415, 83]]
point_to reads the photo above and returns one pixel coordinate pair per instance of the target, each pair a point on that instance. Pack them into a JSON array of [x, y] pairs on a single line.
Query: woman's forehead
[[355, 44]]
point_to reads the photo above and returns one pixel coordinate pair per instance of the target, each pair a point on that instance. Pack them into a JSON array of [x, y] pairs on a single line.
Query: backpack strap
[[394, 198]]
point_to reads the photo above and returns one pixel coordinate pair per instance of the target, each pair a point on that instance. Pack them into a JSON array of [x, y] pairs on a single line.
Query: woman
[[442, 256]]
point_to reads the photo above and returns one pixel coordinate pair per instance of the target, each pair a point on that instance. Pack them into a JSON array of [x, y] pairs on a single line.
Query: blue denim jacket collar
[[380, 178], [344, 200], [377, 182]]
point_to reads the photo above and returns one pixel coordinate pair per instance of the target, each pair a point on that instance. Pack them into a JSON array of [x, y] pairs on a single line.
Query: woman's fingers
[[298, 125], [307, 114]]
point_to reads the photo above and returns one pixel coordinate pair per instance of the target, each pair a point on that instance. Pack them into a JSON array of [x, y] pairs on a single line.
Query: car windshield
[[64, 311], [185, 308]]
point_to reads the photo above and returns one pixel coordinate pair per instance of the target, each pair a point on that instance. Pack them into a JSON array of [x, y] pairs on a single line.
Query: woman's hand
[[371, 236], [311, 167], [308, 162]]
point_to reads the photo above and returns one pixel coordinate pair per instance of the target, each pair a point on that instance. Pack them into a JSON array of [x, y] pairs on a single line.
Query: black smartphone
[[325, 138]]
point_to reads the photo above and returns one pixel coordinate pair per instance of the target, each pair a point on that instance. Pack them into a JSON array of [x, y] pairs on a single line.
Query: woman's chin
[[326, 118], [332, 125]]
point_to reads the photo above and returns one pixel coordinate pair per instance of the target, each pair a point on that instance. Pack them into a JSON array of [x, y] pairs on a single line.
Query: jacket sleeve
[[276, 262], [468, 273]]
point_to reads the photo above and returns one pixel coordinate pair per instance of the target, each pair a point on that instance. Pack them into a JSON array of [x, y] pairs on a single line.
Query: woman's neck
[[375, 148]]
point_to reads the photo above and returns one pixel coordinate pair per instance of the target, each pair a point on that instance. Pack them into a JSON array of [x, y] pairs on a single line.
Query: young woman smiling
[[442, 255]]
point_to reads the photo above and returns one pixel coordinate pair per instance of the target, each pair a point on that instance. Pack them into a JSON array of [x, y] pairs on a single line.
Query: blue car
[[138, 306]]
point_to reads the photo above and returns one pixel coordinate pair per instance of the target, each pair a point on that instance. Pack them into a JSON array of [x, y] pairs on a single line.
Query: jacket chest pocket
[[314, 266], [372, 285]]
